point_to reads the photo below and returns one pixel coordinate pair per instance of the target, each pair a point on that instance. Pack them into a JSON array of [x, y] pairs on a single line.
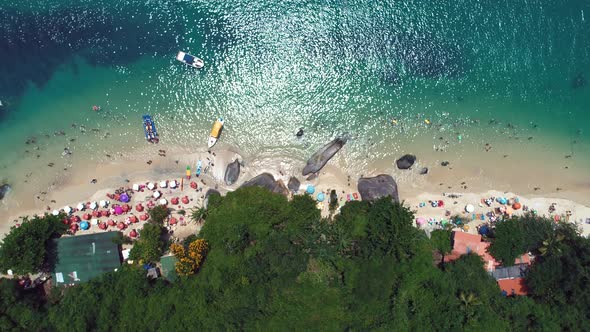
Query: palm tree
[[199, 215], [551, 245]]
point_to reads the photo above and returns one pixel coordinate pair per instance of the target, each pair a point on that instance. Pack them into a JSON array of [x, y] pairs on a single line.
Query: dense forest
[[276, 264]]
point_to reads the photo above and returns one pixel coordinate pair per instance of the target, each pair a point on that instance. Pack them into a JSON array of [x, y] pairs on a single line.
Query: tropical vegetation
[[268, 263]]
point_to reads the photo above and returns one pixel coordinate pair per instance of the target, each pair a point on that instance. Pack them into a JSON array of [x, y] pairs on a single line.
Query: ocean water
[[513, 74]]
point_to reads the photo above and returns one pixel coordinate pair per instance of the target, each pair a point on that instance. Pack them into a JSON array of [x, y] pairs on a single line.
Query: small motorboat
[[215, 132], [190, 60], [151, 134]]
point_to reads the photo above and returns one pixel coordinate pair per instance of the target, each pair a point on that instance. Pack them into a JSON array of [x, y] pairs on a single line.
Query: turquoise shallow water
[[489, 71]]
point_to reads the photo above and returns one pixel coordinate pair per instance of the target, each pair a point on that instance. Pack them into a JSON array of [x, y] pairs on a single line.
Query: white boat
[[190, 60], [215, 132]]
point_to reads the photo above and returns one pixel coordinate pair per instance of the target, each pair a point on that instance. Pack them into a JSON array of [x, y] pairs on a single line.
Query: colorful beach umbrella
[[310, 189], [84, 225], [321, 197], [124, 198]]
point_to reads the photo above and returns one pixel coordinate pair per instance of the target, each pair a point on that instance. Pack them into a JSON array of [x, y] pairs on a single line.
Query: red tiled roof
[[513, 286], [464, 243]]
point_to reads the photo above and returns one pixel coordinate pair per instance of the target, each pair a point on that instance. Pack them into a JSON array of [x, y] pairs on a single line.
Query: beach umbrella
[[420, 221], [139, 207], [102, 226], [469, 208], [163, 201], [194, 185], [103, 203], [86, 216], [111, 222], [174, 200], [95, 213], [163, 184], [67, 209], [172, 221], [516, 206], [121, 225], [172, 184], [84, 225], [105, 213], [144, 217], [321, 197], [93, 205], [156, 194], [310, 189], [81, 206], [185, 200], [151, 186], [126, 208], [55, 212], [118, 210], [135, 187], [502, 200], [133, 233], [484, 230], [124, 198], [74, 227], [94, 221], [133, 219]]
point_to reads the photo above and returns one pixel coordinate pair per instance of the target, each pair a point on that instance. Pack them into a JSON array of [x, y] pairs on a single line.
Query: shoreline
[[413, 188]]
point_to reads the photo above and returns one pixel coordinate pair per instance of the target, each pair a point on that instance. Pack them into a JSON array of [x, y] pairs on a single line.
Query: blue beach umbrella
[[84, 225], [321, 197], [310, 189]]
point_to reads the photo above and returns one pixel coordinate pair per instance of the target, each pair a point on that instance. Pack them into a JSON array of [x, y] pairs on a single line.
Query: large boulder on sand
[[377, 187], [232, 172], [406, 161], [293, 184], [321, 157], [266, 180], [209, 193], [4, 189]]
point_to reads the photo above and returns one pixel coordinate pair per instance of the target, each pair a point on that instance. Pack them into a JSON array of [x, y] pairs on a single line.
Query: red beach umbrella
[[516, 206], [144, 217], [105, 213], [193, 185], [172, 221], [111, 222], [66, 221], [133, 233], [102, 226], [185, 200], [86, 216], [174, 200], [121, 225], [126, 208], [139, 207], [133, 219], [95, 213], [74, 227]]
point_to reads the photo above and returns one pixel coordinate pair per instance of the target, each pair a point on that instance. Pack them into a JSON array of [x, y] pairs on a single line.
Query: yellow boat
[[215, 132]]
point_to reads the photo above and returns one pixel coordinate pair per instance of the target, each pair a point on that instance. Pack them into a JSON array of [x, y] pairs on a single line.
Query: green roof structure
[[83, 257], [168, 268]]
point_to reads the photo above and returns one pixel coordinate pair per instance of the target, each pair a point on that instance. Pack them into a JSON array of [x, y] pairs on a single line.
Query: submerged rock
[[267, 181], [579, 81], [376, 187], [4, 189], [321, 157], [232, 172], [406, 161], [293, 184]]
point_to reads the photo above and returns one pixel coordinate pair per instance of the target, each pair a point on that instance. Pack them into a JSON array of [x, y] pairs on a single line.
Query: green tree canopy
[[24, 249]]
